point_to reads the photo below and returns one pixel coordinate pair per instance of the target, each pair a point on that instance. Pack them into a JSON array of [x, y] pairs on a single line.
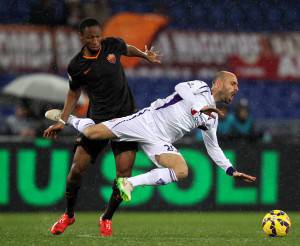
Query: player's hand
[[152, 55], [243, 176], [53, 130], [208, 111]]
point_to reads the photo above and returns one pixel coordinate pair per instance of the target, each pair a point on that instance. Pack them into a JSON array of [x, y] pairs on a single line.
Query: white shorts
[[141, 128]]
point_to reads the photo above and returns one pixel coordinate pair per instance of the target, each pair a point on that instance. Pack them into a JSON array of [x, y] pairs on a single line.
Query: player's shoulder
[[74, 64], [199, 86], [112, 40], [197, 83]]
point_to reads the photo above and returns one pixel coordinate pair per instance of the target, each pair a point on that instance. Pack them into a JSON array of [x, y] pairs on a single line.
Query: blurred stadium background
[[258, 40]]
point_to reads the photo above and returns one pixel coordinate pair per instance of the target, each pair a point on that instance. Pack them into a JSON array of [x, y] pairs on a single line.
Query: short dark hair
[[87, 22]]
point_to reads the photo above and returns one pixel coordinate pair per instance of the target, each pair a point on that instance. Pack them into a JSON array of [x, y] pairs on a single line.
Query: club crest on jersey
[[111, 58]]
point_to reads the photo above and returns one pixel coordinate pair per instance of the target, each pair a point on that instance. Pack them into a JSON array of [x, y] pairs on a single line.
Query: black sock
[[71, 197], [114, 202]]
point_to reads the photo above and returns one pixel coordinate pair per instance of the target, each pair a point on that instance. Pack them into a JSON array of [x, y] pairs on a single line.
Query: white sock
[[80, 123], [158, 176]]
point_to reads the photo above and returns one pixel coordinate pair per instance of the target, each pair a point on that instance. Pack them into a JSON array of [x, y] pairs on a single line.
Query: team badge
[[111, 58]]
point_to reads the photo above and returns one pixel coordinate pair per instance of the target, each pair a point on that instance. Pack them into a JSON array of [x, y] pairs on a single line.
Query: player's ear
[[218, 83]]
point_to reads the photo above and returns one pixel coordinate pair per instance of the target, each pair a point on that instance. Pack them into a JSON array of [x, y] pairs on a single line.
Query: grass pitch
[[166, 228]]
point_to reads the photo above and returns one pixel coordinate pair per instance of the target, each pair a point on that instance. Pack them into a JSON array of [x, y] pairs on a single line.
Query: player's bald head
[[224, 76], [225, 86]]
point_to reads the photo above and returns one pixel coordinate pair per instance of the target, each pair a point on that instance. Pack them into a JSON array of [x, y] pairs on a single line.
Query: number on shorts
[[169, 147]]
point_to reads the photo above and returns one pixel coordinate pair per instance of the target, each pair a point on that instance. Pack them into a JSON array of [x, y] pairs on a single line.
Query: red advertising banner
[[190, 54]]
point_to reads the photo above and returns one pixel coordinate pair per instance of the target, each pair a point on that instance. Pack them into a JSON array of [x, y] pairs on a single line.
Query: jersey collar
[[90, 57]]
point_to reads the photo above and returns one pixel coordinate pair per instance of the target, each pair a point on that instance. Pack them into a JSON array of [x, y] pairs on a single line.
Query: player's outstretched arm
[[150, 55]]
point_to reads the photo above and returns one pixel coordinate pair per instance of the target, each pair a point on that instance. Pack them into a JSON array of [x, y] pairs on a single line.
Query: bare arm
[[70, 103], [216, 153], [149, 55]]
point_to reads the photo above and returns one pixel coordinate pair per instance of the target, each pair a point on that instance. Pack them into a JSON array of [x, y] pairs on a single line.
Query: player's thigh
[[174, 161], [132, 128], [124, 153], [99, 131]]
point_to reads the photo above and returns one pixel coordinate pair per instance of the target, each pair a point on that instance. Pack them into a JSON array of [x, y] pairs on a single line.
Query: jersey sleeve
[[189, 90], [75, 78], [214, 150], [116, 45], [122, 46]]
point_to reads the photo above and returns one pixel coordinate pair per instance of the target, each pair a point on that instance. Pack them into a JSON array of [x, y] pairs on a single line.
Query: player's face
[[91, 38], [230, 88]]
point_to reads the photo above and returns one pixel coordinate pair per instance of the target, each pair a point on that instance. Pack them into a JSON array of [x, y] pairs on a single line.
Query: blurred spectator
[[97, 9], [242, 125], [47, 12], [226, 123], [79, 9], [22, 123], [237, 125], [74, 13]]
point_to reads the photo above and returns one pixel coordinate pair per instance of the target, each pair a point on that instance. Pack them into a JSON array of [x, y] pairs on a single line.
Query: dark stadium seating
[[221, 15], [208, 15]]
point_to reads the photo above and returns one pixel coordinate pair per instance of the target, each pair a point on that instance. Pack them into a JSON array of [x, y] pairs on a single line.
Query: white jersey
[[173, 117]]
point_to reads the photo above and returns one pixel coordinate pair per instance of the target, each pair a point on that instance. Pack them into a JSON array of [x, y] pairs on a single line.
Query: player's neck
[[216, 94], [89, 52]]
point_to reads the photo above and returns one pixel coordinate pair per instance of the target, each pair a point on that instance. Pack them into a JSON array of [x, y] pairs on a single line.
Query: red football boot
[[61, 225], [105, 228]]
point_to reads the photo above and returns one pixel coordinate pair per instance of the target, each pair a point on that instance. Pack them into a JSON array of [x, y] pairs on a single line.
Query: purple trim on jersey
[[134, 116], [204, 87], [174, 100]]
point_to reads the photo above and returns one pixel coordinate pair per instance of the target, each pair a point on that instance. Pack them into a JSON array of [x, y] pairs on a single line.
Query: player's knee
[[75, 171], [182, 172]]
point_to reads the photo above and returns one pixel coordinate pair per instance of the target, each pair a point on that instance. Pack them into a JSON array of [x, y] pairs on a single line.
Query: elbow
[[129, 50]]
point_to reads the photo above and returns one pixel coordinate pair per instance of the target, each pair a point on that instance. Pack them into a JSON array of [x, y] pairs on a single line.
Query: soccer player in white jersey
[[192, 105]]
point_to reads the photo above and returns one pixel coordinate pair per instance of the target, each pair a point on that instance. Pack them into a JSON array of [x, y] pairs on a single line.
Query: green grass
[[168, 228]]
